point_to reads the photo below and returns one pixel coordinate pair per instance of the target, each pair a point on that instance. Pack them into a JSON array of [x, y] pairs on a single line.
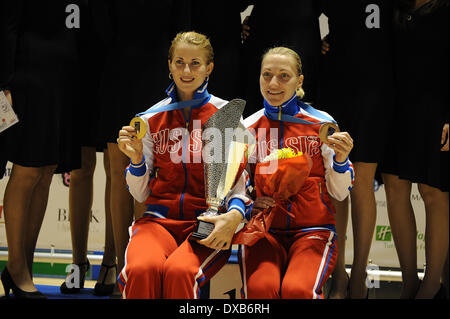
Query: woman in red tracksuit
[[166, 172], [299, 253]]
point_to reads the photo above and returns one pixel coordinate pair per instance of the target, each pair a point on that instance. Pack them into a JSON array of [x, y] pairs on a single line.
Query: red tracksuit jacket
[[313, 206]]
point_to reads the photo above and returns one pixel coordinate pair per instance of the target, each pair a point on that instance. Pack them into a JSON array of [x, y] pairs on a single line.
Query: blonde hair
[[193, 38], [297, 61]]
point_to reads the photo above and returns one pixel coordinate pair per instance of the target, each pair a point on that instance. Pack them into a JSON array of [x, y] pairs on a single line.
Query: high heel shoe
[[441, 294], [331, 283], [102, 289], [8, 284], [82, 276]]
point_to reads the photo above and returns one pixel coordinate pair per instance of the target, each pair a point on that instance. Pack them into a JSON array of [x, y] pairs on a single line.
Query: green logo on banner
[[383, 233]]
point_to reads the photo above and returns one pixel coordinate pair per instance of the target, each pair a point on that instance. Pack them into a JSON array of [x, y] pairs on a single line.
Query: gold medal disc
[[140, 126], [326, 130]]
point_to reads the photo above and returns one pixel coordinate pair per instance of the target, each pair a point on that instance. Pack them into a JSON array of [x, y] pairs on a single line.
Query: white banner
[[383, 253], [55, 232]]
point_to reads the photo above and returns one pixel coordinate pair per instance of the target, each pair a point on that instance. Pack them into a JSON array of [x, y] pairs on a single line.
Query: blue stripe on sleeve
[[340, 167], [138, 169], [237, 203]]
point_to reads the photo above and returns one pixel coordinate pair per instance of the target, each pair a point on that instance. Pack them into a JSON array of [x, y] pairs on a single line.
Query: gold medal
[[140, 126], [326, 130]]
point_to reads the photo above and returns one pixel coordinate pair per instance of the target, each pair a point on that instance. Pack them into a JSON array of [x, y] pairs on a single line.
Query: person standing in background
[[220, 21], [356, 86], [137, 34], [81, 189], [420, 155], [39, 72]]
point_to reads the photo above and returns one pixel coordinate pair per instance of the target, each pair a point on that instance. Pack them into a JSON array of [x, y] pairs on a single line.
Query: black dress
[[3, 155], [220, 21], [293, 24], [92, 59], [422, 52], [40, 65], [135, 72], [356, 79]]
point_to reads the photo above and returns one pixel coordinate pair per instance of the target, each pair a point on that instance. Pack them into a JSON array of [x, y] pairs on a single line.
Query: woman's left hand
[[224, 228], [245, 33], [325, 46], [342, 144]]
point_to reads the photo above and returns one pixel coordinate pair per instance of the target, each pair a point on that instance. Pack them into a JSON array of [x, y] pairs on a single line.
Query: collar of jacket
[[290, 107], [201, 93]]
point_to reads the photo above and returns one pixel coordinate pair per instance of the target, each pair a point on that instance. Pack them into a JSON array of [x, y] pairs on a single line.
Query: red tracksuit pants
[[161, 261], [288, 265]]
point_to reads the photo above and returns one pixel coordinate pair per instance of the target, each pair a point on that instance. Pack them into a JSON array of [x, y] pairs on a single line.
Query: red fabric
[[286, 180], [162, 262], [280, 179], [289, 267]]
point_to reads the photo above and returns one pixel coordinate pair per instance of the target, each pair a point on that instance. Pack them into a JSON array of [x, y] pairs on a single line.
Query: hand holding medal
[[139, 126], [340, 142], [130, 139], [326, 130]]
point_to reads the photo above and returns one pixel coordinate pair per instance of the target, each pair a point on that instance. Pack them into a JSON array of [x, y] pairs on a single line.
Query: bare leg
[[139, 209], [445, 276], [38, 206], [81, 193], [340, 277], [121, 202], [109, 255], [403, 227], [436, 238], [17, 203], [364, 211]]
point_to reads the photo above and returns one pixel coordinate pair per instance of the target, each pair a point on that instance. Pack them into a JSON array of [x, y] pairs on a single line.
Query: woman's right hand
[[130, 145], [245, 29], [325, 46]]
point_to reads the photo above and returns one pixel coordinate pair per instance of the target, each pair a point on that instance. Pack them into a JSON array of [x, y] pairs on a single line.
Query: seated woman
[[298, 253], [162, 260]]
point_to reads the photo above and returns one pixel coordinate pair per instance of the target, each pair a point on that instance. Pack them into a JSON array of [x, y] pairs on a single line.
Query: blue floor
[[53, 292]]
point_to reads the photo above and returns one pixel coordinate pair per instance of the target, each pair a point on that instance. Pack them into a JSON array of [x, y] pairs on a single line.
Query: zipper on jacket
[[288, 218], [183, 157], [281, 134]]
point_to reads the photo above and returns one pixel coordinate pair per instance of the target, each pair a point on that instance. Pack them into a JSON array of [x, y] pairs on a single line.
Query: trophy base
[[203, 230]]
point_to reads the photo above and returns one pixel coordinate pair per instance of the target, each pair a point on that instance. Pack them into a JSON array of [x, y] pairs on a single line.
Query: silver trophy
[[225, 143]]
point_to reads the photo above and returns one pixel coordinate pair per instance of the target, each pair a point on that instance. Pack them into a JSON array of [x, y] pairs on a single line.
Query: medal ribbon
[[201, 95]]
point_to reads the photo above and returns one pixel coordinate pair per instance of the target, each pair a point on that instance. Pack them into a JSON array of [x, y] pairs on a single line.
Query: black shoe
[[102, 289], [75, 290], [8, 284], [441, 294], [330, 286]]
